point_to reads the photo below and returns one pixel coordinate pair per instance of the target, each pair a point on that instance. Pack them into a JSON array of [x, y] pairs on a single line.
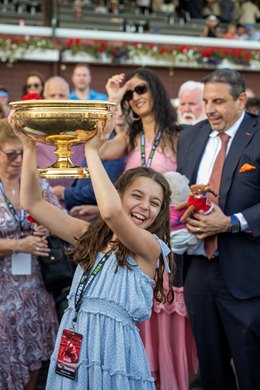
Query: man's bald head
[[56, 88]]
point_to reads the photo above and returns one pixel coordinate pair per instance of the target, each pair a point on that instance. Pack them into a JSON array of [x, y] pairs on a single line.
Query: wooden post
[[48, 8]]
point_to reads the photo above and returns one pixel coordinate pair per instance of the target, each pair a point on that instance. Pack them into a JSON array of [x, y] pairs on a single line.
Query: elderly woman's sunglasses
[[11, 156], [139, 89]]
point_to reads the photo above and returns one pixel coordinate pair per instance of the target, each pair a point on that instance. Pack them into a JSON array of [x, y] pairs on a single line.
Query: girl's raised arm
[[139, 241], [46, 214], [114, 148]]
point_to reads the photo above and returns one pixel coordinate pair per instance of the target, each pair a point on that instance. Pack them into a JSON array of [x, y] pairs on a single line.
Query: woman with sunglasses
[[34, 84], [152, 134], [27, 311], [151, 141]]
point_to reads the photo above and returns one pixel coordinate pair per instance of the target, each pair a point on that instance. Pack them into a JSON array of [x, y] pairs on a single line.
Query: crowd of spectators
[[231, 15], [78, 197], [242, 11], [230, 19]]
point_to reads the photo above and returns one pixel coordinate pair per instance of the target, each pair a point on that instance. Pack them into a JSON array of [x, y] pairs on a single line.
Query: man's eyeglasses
[[35, 85], [139, 89], [11, 156]]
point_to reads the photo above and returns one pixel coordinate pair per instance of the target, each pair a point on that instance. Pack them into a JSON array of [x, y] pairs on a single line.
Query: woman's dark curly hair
[[99, 235], [164, 113]]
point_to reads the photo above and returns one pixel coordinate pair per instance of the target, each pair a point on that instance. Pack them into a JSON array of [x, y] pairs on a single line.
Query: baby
[[181, 239]]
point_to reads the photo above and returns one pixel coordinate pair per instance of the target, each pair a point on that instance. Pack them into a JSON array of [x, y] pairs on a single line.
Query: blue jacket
[[93, 95], [81, 192]]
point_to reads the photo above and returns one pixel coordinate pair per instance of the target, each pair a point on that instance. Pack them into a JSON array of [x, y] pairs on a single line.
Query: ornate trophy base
[[63, 168], [63, 173]]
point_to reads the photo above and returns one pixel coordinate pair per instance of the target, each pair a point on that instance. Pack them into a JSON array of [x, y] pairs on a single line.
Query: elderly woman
[[28, 322]]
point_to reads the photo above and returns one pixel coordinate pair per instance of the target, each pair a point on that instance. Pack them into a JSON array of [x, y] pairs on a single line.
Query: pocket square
[[247, 167]]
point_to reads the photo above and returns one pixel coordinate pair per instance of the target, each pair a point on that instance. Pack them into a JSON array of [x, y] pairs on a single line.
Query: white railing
[[127, 37], [187, 51]]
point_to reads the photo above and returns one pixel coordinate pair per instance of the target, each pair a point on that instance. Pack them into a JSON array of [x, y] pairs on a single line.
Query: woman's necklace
[[12, 190]]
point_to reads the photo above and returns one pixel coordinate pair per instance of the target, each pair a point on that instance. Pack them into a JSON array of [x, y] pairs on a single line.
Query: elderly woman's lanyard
[[85, 282], [18, 218], [155, 144]]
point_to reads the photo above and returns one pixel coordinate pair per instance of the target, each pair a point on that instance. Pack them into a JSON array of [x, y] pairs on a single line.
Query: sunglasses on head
[[35, 85], [11, 156], [139, 89]]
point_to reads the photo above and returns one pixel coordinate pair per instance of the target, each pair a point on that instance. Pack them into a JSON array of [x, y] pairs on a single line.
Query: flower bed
[[122, 52], [26, 47], [77, 50]]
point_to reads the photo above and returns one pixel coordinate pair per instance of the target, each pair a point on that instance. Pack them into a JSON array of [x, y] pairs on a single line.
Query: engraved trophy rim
[[62, 103]]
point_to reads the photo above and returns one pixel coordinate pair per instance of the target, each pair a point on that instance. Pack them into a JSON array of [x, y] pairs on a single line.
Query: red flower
[[69, 42], [31, 219], [101, 48], [32, 96], [16, 39], [183, 48], [207, 52]]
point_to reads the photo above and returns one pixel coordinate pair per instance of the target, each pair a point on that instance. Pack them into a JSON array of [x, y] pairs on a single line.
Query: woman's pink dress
[[167, 336]]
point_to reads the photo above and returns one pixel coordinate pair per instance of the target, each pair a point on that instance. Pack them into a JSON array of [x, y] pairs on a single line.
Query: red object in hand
[[202, 204], [31, 219], [32, 96]]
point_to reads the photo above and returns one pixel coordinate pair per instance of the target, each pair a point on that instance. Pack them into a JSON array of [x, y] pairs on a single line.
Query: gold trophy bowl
[[61, 123]]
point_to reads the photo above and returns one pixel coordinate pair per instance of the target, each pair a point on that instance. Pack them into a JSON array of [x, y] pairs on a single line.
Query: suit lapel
[[243, 136]]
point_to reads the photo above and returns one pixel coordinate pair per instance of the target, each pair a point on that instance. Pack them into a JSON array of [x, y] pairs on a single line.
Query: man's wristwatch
[[234, 226]]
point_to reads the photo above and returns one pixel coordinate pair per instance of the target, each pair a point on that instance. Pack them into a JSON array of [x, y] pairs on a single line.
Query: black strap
[[85, 282], [155, 144]]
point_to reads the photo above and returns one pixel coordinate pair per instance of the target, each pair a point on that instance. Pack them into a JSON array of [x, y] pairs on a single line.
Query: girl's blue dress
[[112, 355]]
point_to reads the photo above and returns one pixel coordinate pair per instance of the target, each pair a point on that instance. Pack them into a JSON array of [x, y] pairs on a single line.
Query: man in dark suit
[[223, 293]]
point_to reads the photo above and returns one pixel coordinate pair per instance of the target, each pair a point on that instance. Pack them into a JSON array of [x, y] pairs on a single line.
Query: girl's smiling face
[[142, 201]]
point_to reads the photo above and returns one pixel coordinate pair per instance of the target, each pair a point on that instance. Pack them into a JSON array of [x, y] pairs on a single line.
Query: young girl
[[98, 345], [150, 141]]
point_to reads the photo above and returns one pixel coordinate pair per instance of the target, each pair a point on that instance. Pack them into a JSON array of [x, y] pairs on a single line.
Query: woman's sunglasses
[[139, 89], [11, 156], [35, 85]]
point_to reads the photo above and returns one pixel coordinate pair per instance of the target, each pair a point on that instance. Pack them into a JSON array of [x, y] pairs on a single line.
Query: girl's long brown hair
[[99, 235]]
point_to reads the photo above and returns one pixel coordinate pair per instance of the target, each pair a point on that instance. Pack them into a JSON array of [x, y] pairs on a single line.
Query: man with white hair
[[191, 106]]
